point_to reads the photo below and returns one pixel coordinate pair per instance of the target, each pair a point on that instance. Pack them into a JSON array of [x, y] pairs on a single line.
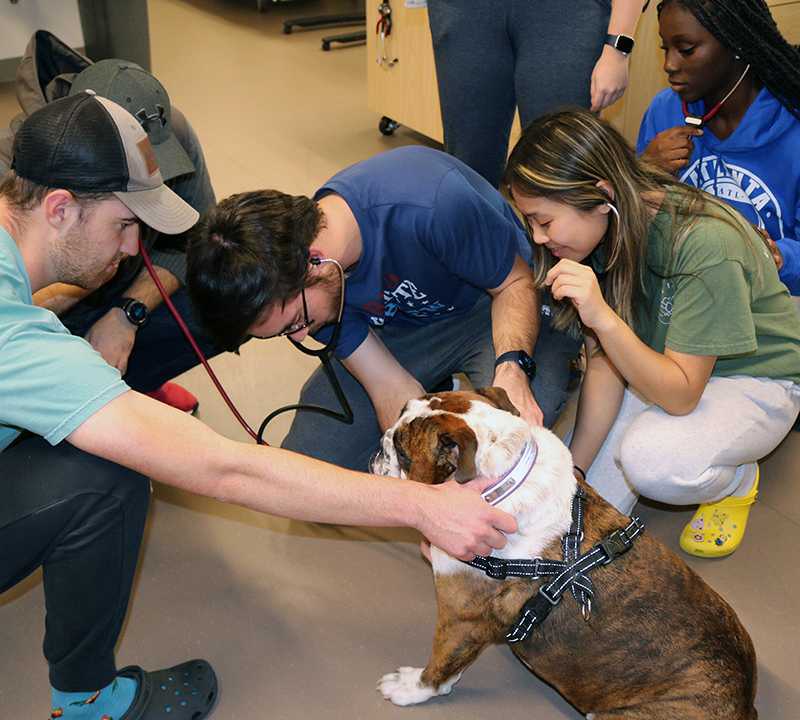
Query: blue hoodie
[[756, 170]]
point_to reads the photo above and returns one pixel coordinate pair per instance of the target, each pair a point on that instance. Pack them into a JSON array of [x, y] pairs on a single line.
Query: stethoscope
[[700, 122], [324, 354]]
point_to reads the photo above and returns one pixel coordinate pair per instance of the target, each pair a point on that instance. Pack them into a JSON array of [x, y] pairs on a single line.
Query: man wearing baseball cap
[[125, 319], [84, 173]]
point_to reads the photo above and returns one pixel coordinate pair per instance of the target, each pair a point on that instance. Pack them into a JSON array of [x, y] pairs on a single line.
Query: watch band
[[522, 359], [623, 43]]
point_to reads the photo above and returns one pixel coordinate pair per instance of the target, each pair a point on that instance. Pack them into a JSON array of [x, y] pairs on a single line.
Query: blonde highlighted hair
[[570, 156]]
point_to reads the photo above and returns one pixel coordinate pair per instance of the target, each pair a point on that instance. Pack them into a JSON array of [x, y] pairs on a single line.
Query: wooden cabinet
[[405, 90], [402, 86], [787, 15]]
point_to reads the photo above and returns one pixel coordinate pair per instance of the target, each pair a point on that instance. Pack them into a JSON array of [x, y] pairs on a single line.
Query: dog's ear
[[499, 397], [456, 453]]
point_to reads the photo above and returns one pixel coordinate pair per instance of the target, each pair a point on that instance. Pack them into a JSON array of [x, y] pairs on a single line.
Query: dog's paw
[[405, 688]]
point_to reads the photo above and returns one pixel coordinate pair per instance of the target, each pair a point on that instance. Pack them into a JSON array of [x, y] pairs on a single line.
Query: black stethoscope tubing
[[324, 354]]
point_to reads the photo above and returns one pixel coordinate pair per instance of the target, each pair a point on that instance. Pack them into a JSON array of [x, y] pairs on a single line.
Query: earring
[[736, 57]]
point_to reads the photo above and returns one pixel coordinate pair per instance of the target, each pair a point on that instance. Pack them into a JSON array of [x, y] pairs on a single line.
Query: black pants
[[81, 519]]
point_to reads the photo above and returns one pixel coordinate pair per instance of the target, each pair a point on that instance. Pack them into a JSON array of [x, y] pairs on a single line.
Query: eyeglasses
[[292, 329]]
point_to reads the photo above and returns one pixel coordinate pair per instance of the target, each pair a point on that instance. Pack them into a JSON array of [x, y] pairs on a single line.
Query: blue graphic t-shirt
[[756, 169], [435, 237]]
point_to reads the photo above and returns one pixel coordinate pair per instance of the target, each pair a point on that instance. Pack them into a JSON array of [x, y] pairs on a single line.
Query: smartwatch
[[623, 43], [135, 311], [522, 359]]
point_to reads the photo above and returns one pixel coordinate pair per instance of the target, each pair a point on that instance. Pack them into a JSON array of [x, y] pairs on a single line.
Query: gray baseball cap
[[144, 97], [87, 143]]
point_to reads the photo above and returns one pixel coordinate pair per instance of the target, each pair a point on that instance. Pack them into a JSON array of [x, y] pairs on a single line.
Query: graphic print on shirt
[[403, 297], [666, 305], [740, 188]]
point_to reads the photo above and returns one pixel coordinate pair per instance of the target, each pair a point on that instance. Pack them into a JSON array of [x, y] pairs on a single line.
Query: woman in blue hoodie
[[730, 121]]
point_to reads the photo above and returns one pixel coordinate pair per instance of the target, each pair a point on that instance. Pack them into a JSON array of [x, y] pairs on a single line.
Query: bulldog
[[591, 604]]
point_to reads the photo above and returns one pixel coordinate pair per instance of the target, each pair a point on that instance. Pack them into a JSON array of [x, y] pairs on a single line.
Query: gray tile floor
[[301, 620]]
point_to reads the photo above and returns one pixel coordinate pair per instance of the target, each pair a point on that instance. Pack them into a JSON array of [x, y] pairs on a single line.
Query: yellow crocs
[[717, 529]]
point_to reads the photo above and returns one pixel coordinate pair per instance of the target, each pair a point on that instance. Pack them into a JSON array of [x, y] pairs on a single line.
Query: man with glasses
[[435, 281]]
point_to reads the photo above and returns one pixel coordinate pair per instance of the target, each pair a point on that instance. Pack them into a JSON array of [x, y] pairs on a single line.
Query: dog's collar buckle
[[514, 478]]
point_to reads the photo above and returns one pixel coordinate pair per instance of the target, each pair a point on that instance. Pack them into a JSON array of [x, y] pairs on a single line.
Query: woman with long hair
[[692, 342], [730, 121]]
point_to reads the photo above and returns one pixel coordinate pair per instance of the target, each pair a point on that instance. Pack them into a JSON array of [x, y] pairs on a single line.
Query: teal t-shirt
[[716, 294], [50, 380]]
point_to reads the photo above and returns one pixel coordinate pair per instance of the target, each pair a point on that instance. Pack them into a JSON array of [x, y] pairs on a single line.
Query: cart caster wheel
[[387, 126]]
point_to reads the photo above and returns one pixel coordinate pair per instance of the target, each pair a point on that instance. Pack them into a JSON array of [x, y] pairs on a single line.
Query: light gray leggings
[[694, 458]]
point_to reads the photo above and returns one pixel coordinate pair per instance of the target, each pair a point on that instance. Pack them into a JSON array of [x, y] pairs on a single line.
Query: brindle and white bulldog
[[657, 642]]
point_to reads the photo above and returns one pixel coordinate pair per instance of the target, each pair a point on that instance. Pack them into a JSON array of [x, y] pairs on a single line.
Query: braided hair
[[748, 28]]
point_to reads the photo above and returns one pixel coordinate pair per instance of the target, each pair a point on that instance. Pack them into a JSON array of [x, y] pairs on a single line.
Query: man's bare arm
[[389, 385], [516, 318], [174, 448]]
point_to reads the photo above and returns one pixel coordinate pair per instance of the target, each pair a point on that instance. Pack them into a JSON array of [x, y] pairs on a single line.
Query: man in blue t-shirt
[[433, 265], [78, 446]]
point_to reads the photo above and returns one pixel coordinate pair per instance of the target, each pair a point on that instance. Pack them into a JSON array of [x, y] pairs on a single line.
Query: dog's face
[[466, 433]]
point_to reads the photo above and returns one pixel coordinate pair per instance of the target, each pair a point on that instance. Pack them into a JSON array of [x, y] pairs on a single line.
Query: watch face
[[624, 44], [526, 363], [138, 313]]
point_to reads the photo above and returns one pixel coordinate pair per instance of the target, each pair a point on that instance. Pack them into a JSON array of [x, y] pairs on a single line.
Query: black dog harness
[[569, 574]]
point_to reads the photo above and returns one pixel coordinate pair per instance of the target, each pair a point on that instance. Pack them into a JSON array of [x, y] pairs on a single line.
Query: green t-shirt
[[716, 294]]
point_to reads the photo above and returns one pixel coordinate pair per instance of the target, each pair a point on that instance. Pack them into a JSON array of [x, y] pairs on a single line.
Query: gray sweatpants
[[494, 55], [696, 458]]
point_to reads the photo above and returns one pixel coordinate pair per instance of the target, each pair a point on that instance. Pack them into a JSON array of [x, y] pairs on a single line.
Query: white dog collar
[[514, 477]]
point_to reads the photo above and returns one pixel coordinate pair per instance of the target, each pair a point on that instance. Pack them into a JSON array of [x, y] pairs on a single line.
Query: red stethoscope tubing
[[710, 114], [703, 120], [194, 344]]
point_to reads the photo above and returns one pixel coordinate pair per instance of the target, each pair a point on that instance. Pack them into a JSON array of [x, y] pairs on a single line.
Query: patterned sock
[[110, 703]]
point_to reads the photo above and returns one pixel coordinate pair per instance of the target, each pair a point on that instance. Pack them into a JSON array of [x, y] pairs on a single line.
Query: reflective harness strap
[[582, 587], [571, 573]]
